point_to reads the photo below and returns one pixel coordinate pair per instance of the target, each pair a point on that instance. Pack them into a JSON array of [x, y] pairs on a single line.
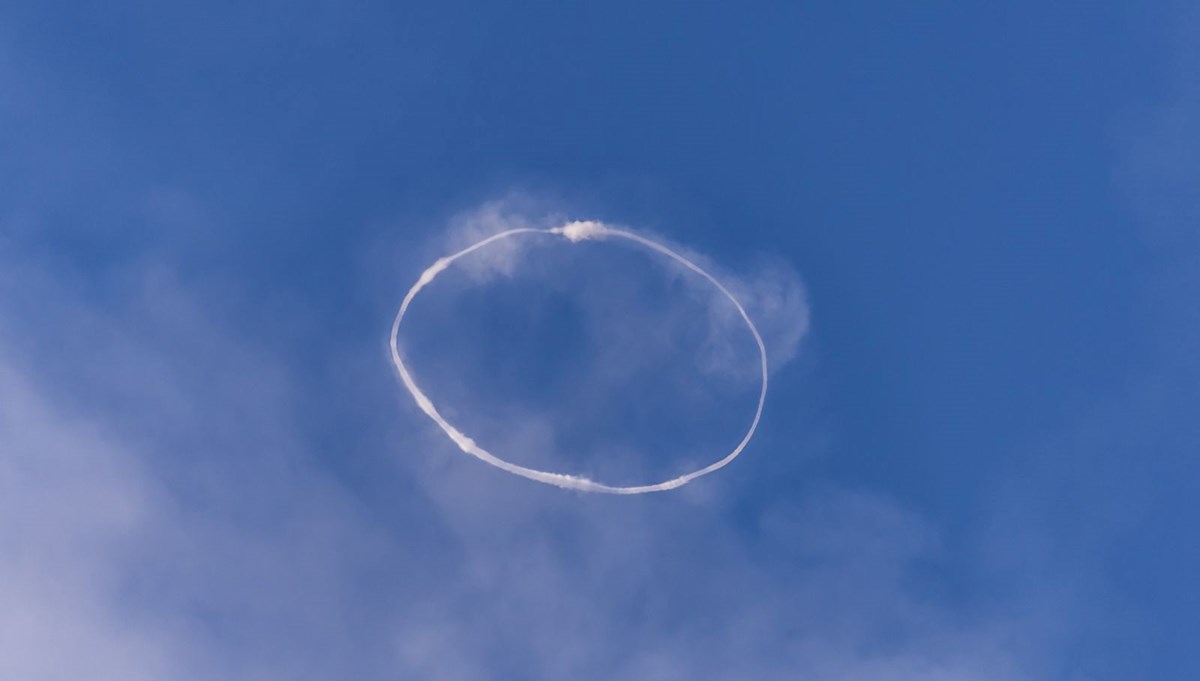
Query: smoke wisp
[[574, 232]]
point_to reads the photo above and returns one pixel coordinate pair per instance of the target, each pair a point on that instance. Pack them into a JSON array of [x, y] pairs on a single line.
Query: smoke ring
[[574, 232]]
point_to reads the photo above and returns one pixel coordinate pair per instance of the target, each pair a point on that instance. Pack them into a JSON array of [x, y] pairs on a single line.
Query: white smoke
[[575, 232]]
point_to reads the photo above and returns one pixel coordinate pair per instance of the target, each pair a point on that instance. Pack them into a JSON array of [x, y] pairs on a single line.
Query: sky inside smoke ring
[[575, 232]]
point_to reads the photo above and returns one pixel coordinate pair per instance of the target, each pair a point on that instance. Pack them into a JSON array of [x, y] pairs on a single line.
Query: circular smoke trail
[[574, 232]]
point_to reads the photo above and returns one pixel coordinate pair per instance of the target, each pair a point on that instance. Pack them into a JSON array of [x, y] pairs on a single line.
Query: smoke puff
[[575, 232]]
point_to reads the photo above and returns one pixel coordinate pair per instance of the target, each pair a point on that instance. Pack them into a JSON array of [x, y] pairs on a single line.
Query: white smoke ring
[[575, 232]]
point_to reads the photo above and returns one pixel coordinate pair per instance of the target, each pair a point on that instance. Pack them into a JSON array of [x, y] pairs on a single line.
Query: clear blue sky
[[980, 463]]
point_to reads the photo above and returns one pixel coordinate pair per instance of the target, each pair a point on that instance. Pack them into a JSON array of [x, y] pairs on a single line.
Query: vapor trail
[[574, 232]]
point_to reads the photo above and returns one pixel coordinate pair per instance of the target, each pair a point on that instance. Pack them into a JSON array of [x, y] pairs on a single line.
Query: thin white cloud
[[70, 500], [200, 537]]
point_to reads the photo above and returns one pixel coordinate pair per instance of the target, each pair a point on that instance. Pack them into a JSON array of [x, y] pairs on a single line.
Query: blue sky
[[968, 232]]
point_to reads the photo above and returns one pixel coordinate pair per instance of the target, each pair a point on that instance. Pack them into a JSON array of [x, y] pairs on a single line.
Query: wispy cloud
[[166, 504]]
